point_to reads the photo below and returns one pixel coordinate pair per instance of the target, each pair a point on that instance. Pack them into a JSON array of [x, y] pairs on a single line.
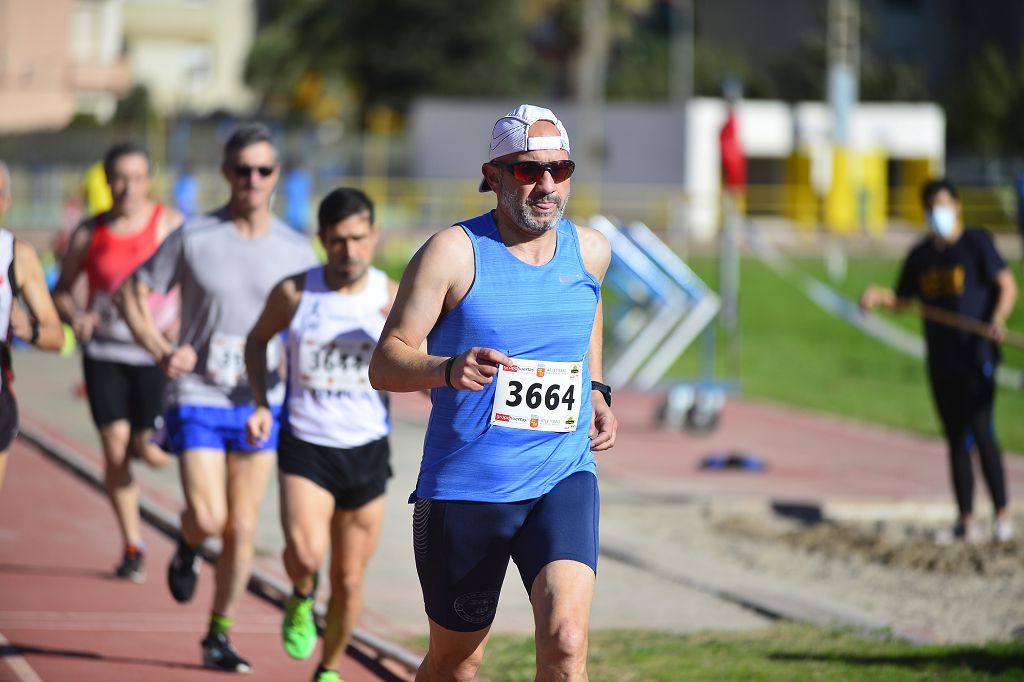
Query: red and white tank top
[[110, 260]]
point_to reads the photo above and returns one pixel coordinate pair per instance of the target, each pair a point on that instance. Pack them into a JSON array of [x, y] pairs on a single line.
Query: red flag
[[734, 164]]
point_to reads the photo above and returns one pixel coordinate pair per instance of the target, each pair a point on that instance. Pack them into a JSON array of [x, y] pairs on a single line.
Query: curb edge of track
[[261, 584]]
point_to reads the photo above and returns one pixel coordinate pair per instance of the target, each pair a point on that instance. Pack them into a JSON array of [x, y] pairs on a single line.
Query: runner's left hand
[[603, 424]]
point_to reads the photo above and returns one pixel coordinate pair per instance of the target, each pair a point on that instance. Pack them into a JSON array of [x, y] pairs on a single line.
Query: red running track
[[63, 616]]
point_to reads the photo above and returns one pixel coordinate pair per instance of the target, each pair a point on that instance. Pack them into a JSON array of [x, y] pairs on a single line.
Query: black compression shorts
[[354, 476], [119, 391], [8, 418]]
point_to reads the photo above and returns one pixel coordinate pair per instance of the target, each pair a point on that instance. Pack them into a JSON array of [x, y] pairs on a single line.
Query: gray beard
[[521, 216]]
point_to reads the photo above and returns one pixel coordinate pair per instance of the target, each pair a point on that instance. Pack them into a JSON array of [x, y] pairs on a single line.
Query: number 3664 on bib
[[538, 395]]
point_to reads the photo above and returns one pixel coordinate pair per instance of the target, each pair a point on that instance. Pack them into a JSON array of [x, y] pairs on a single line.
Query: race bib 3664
[[538, 395]]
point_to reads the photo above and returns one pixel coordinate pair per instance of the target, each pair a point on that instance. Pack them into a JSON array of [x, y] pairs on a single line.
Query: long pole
[[591, 72], [968, 324]]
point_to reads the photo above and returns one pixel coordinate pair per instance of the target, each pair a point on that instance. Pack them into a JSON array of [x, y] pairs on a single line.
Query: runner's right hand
[[476, 368], [83, 324], [258, 425], [181, 360]]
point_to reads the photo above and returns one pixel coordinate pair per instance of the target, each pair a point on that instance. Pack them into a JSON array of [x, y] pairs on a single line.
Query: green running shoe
[[298, 631], [325, 675]]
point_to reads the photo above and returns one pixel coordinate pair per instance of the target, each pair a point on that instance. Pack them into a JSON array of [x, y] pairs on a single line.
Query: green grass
[[781, 653], [794, 352]]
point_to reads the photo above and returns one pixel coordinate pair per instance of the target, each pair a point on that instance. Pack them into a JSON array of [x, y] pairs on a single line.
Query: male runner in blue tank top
[[509, 303]]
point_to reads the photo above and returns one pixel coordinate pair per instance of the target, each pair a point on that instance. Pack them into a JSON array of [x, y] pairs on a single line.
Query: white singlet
[[6, 301], [330, 340]]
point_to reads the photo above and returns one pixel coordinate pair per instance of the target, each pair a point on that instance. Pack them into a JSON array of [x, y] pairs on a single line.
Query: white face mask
[[942, 220]]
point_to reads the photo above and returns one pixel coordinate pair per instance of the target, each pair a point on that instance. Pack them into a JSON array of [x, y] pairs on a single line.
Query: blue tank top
[[537, 312]]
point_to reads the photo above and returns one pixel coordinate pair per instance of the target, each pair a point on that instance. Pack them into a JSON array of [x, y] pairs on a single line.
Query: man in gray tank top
[[226, 263]]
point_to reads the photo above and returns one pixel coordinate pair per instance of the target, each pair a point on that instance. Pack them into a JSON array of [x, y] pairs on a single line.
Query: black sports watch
[[605, 390]]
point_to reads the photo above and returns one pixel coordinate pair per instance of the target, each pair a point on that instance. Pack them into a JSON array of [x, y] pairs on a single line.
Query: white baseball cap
[[511, 134]]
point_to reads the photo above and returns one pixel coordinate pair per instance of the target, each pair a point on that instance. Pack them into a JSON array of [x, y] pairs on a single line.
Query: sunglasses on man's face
[[243, 171], [533, 171]]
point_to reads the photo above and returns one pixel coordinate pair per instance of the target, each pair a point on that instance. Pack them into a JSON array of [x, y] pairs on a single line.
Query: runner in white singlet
[[333, 455], [21, 275]]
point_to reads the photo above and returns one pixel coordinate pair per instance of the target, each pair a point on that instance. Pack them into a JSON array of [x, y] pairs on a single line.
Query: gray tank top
[[225, 278]]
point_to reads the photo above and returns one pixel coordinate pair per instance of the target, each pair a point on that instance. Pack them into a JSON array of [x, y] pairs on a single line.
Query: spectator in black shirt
[[958, 270]]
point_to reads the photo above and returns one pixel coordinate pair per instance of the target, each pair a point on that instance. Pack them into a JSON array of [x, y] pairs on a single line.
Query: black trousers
[[964, 403]]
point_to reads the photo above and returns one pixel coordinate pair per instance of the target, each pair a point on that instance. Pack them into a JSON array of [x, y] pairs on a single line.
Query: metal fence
[[49, 197]]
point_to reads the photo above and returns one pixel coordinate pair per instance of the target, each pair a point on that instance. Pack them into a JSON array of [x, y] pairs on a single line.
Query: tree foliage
[[986, 103], [324, 59], [388, 52]]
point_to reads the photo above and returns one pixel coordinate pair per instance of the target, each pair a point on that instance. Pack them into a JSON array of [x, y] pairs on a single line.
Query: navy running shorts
[[354, 476], [462, 548]]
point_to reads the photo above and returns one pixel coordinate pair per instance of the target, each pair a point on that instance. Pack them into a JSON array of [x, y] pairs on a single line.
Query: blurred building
[[59, 57], [654, 151], [63, 57], [190, 54]]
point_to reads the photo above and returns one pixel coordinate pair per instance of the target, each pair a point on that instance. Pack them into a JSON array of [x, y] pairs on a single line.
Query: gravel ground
[[876, 575], [891, 570]]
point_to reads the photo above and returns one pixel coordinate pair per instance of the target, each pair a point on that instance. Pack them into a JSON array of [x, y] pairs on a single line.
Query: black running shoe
[[220, 655], [131, 566], [183, 572]]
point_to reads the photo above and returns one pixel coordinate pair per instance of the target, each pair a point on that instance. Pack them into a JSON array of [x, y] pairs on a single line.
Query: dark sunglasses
[[533, 171], [243, 171]]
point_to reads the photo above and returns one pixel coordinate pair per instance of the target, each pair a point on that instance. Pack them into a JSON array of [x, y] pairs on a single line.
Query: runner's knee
[[118, 470], [450, 665], [346, 584], [209, 520], [115, 439], [240, 531], [306, 552], [566, 643]]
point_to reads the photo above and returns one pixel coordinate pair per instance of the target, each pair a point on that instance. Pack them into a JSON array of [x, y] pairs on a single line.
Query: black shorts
[[8, 418], [462, 548], [119, 391], [354, 476]]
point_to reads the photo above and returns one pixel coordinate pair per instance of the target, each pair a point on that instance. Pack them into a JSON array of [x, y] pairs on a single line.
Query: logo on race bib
[[575, 370], [502, 417], [534, 421], [569, 421], [540, 370], [511, 368]]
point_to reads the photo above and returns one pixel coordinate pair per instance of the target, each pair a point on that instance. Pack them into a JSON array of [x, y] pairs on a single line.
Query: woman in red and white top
[[124, 386]]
